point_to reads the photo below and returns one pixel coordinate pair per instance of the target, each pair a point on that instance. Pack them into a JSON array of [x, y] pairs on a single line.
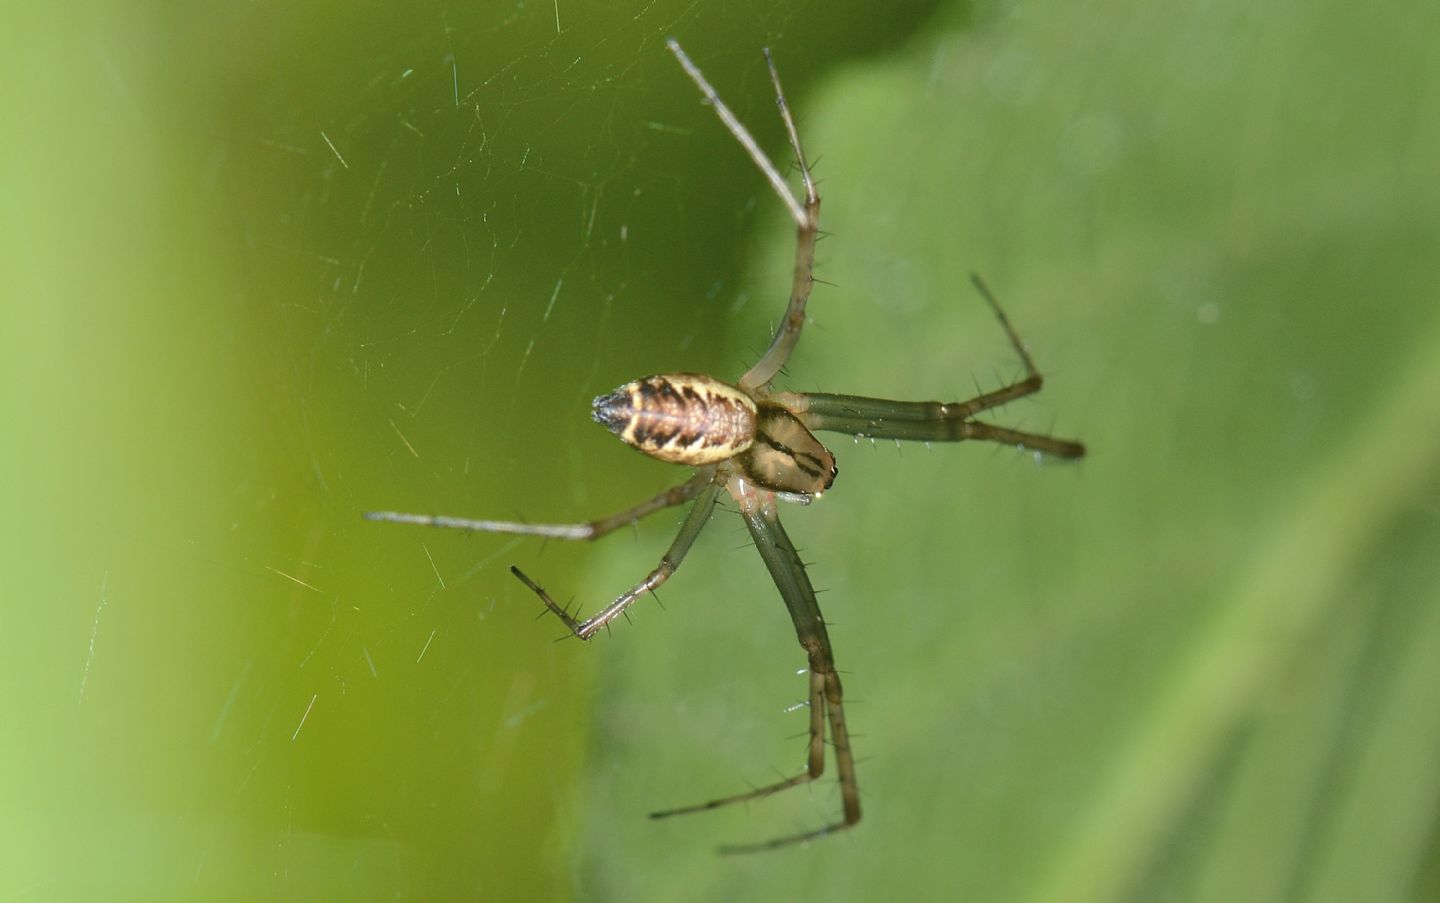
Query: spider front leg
[[933, 421], [826, 692], [920, 421], [806, 216]]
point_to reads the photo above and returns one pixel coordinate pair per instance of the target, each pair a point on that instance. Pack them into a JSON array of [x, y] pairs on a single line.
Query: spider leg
[[933, 421], [812, 199], [921, 421], [806, 216], [675, 495], [695, 521], [984, 289], [826, 693], [815, 762], [742, 134]]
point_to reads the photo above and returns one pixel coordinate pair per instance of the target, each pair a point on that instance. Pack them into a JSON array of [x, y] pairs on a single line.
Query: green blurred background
[[268, 266]]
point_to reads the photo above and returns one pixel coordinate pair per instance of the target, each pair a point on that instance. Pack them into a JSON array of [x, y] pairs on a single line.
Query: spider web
[[280, 264], [514, 233], [421, 239]]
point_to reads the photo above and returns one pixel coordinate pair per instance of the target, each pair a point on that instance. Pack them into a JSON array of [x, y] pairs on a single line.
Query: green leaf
[[1198, 665]]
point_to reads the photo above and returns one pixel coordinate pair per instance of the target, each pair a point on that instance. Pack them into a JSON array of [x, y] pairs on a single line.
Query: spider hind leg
[[826, 692], [825, 706], [695, 521]]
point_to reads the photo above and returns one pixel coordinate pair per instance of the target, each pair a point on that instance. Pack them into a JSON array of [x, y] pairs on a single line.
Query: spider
[[758, 446]]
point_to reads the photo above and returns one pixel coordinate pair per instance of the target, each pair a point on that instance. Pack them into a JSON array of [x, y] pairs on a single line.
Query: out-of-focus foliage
[[274, 265], [1201, 664]]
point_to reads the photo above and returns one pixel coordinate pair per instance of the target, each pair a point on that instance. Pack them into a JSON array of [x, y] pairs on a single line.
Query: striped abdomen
[[684, 418]]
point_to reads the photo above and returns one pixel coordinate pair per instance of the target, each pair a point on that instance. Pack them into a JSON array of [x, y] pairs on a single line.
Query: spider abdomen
[[683, 418]]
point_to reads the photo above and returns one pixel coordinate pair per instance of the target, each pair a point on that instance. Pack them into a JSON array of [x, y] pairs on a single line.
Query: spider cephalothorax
[[758, 446], [787, 458]]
